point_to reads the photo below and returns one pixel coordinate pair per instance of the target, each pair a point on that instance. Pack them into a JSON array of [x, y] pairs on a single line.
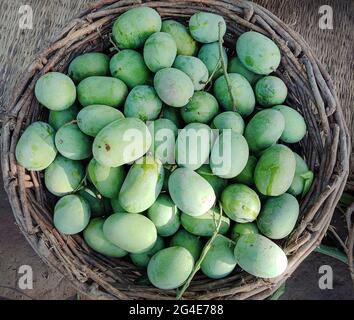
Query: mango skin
[[173, 87], [303, 178], [99, 205], [57, 119], [204, 225], [235, 66], [165, 216], [170, 268], [72, 143], [246, 175], [209, 54], [204, 27], [92, 119], [240, 203], [240, 229], [270, 91], [229, 154], [129, 66], [56, 91], [36, 150], [117, 208], [164, 133], [242, 92], [278, 216], [202, 107], [271, 260], [275, 170], [142, 185], [189, 241], [186, 45], [174, 115], [121, 142], [102, 90], [193, 145], [194, 68], [258, 53], [71, 214], [134, 26], [88, 65], [143, 103], [95, 239], [142, 259], [63, 176], [229, 120], [295, 126], [132, 232], [264, 129], [220, 261], [160, 51], [107, 180], [217, 183], [191, 193]]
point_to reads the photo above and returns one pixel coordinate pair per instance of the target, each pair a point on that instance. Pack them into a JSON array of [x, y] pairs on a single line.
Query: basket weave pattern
[[311, 91]]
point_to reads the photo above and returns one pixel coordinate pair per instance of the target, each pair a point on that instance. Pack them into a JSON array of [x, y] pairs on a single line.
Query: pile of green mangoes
[[154, 148]]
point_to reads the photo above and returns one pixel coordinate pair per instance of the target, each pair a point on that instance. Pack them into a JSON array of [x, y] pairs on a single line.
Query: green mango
[[229, 120], [121, 142], [218, 184], [142, 185], [240, 229], [295, 125], [246, 175], [241, 91], [160, 51], [194, 68], [202, 107], [88, 65], [271, 260], [72, 143], [235, 66], [92, 119], [102, 90], [209, 54], [56, 91], [117, 208], [57, 119], [206, 27], [173, 87], [189, 241], [71, 214], [229, 154], [99, 205], [258, 53], [191, 193], [129, 66], [193, 145], [132, 232], [270, 91], [95, 239], [170, 268], [240, 203], [186, 45], [264, 129], [35, 150], [275, 171], [165, 216], [107, 180], [278, 216], [142, 259], [143, 103], [220, 261], [205, 224], [133, 27], [64, 176], [174, 115]]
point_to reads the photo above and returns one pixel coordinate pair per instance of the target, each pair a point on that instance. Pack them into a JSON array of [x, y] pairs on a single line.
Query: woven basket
[[311, 91]]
